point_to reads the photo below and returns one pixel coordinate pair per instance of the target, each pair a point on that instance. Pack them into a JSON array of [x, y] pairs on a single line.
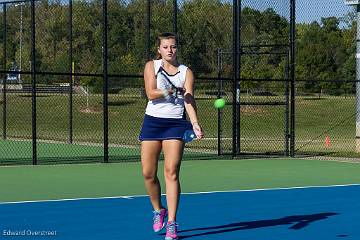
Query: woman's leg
[[173, 150], [150, 151]]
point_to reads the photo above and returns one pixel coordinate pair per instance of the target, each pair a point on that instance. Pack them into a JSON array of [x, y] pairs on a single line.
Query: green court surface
[[73, 181]]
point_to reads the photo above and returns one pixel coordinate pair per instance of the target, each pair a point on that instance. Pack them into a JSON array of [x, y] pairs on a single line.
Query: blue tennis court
[[285, 213]]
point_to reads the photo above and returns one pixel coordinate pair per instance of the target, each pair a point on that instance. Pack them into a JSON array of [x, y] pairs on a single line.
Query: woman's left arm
[[190, 104]]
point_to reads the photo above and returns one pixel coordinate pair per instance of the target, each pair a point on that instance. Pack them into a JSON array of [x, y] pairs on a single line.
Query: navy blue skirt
[[155, 128]]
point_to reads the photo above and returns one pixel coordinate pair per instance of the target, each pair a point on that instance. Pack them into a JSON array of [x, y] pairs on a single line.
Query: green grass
[[262, 127], [14, 151], [20, 152]]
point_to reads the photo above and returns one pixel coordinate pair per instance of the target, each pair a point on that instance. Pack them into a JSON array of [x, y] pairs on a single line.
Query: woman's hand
[[198, 130], [181, 91]]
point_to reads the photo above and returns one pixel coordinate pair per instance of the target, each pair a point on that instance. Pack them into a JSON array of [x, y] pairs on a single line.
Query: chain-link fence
[[74, 88], [325, 79]]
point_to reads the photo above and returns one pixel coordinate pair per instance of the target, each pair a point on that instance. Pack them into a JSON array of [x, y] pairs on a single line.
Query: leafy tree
[[324, 53]]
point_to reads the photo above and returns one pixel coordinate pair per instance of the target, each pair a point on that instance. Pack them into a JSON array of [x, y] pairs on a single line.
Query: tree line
[[325, 50]]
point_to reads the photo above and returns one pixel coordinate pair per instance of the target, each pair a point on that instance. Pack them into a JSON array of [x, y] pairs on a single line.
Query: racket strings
[[163, 73]]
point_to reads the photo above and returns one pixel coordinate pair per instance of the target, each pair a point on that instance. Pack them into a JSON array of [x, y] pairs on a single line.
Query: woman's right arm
[[152, 92]]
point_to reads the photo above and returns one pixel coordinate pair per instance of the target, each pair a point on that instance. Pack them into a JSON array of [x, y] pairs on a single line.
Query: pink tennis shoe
[[159, 219], [171, 231]]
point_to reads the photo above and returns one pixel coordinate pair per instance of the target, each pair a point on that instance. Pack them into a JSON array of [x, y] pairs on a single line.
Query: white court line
[[73, 199], [189, 193]]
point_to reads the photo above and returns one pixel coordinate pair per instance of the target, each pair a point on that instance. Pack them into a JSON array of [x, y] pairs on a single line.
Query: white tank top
[[171, 107]]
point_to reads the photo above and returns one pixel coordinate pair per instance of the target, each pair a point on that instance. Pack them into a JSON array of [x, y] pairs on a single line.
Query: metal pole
[[105, 83], [236, 91], [175, 17], [286, 132], [33, 83], [70, 26], [292, 78], [21, 30], [357, 84], [148, 27], [238, 80], [219, 96], [4, 80]]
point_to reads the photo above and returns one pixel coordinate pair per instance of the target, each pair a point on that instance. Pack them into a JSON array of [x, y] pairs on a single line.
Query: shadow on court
[[295, 222]]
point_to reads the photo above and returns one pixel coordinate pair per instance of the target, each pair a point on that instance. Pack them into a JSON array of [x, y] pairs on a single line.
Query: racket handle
[[166, 94]]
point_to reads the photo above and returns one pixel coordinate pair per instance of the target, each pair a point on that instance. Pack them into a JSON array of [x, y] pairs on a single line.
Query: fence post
[[286, 83], [70, 35], [236, 77], [148, 26], [105, 82], [33, 83], [4, 80], [292, 78], [175, 16], [219, 95]]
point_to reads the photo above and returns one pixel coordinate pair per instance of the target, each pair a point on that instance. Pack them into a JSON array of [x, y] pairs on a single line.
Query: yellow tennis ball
[[219, 103]]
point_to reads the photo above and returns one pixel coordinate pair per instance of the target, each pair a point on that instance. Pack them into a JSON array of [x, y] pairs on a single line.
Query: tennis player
[[169, 88]]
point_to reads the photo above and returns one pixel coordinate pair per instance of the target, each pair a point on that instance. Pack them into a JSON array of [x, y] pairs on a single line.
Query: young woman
[[169, 88]]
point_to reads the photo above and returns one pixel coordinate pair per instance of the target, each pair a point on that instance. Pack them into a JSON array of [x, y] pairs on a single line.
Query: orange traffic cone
[[327, 141]]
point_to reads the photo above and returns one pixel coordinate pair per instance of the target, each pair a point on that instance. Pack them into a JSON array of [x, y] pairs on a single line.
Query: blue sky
[[310, 10], [306, 10]]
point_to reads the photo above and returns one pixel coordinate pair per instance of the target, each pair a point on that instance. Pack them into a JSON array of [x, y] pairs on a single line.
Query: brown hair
[[165, 35]]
